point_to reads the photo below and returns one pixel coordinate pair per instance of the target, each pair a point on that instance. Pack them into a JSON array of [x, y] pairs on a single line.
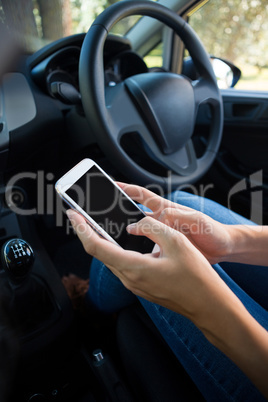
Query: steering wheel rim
[[109, 109]]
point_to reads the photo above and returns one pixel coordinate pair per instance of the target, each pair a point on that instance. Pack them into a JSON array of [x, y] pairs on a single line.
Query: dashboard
[[40, 99], [57, 73]]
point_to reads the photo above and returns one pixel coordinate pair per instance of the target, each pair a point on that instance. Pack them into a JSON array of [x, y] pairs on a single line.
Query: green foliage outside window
[[237, 30], [38, 22]]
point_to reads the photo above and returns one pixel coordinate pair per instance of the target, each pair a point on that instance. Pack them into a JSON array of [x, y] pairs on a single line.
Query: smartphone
[[106, 207]]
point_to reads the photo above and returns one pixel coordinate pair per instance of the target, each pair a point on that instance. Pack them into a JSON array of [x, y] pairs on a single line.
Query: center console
[[38, 302]]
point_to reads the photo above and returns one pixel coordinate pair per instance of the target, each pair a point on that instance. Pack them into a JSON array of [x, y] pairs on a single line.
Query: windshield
[[36, 23]]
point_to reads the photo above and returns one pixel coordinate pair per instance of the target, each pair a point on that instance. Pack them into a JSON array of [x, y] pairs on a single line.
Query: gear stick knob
[[30, 301], [17, 258]]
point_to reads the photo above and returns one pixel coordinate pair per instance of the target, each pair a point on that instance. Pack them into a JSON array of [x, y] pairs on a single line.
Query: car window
[[155, 57], [236, 30], [36, 23]]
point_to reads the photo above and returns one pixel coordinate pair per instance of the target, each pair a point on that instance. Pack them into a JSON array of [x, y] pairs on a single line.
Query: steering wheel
[[160, 106]]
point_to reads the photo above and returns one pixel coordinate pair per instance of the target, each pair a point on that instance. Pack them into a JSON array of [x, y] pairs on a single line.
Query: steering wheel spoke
[[123, 115], [182, 162], [205, 92]]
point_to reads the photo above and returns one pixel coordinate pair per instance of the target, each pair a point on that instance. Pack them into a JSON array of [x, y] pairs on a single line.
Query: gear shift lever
[[17, 259], [30, 301]]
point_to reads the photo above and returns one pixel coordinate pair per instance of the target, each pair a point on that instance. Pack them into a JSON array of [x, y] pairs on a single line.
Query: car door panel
[[239, 176], [246, 127]]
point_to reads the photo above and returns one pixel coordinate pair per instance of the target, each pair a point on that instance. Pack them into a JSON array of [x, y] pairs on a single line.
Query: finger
[[175, 216], [187, 221], [150, 199], [121, 184], [102, 249], [158, 232], [146, 198]]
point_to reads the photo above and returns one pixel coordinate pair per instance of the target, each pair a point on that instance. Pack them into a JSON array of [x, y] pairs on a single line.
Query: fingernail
[[70, 213], [131, 226]]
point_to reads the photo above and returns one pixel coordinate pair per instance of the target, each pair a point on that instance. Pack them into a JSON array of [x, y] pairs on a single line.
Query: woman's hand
[[213, 239], [179, 277]]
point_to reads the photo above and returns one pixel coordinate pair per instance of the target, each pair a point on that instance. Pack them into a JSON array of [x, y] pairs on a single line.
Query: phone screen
[[110, 208]]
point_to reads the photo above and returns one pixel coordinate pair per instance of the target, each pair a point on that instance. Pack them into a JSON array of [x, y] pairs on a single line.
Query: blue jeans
[[216, 376]]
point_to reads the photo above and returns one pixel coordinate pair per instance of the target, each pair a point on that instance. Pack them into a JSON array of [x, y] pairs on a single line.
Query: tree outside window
[[38, 22], [237, 31]]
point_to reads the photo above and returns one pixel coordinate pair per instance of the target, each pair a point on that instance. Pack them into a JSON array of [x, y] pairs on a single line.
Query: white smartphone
[[105, 206]]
